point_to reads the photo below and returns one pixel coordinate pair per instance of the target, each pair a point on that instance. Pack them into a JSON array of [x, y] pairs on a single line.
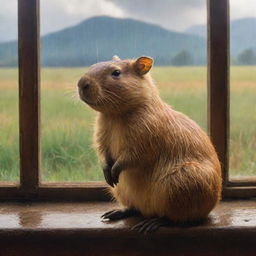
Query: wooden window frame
[[219, 96], [31, 188]]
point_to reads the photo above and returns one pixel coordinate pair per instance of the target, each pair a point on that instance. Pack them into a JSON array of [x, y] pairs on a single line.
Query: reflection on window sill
[[76, 228]]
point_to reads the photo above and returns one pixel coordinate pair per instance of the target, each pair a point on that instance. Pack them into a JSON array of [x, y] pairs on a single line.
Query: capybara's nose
[[84, 83]]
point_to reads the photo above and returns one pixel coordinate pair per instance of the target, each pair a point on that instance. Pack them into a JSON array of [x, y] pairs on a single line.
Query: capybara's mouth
[[83, 98], [88, 102]]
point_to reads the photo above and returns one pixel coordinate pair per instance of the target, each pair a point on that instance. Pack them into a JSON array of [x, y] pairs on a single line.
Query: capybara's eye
[[116, 73]]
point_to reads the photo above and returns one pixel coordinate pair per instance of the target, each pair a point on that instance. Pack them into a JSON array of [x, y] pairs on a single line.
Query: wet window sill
[[76, 229]]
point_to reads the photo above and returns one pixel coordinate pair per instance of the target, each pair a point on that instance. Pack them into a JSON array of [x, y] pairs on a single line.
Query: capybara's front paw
[[107, 175], [115, 172]]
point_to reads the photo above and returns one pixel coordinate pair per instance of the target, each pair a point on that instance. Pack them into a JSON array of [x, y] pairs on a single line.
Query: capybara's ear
[[143, 64], [116, 58]]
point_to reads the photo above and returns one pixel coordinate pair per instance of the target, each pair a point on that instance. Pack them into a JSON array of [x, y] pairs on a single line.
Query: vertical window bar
[[218, 80], [28, 39]]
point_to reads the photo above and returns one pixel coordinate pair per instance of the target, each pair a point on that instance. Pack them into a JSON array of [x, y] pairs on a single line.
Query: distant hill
[[100, 38], [242, 34], [198, 30]]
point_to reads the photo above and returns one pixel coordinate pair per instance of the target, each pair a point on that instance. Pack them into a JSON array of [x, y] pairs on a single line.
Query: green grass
[[67, 123]]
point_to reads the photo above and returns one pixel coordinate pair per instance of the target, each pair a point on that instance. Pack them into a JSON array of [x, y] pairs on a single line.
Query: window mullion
[[29, 104], [218, 80]]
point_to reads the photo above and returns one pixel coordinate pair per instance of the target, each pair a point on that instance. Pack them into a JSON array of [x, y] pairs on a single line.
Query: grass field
[[67, 123]]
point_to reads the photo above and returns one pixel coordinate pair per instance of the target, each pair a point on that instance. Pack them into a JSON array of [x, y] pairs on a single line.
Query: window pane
[[76, 34], [243, 89], [67, 127], [9, 127]]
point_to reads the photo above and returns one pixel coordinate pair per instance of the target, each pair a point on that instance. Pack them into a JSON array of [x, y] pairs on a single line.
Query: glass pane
[[67, 127], [243, 89], [76, 34], [9, 127]]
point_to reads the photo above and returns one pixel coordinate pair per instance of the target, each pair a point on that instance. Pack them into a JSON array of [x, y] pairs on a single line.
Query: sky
[[175, 15]]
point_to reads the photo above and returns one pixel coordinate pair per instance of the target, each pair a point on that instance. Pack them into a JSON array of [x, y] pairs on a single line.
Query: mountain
[[198, 30], [100, 38], [242, 34], [8, 54]]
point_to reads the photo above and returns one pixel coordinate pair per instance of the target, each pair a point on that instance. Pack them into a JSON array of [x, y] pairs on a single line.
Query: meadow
[[67, 123]]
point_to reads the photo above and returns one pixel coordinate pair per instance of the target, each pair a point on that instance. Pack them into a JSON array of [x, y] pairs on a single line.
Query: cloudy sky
[[172, 14]]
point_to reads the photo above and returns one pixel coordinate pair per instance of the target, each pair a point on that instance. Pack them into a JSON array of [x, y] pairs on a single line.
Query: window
[[66, 123], [9, 97], [242, 159], [31, 186]]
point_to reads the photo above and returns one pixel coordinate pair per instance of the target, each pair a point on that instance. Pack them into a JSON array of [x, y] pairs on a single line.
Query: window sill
[[76, 229]]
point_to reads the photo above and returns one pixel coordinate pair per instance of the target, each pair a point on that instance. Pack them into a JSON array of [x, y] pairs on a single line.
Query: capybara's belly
[[134, 191]]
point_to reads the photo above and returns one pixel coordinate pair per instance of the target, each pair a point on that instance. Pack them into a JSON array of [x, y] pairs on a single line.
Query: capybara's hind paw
[[151, 224]]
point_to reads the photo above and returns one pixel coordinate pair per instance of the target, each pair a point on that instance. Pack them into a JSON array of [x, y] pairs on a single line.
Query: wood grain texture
[[90, 191], [218, 80], [29, 99], [242, 182], [76, 229], [236, 192]]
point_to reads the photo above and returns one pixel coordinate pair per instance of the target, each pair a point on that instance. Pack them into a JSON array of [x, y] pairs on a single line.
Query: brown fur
[[170, 166]]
